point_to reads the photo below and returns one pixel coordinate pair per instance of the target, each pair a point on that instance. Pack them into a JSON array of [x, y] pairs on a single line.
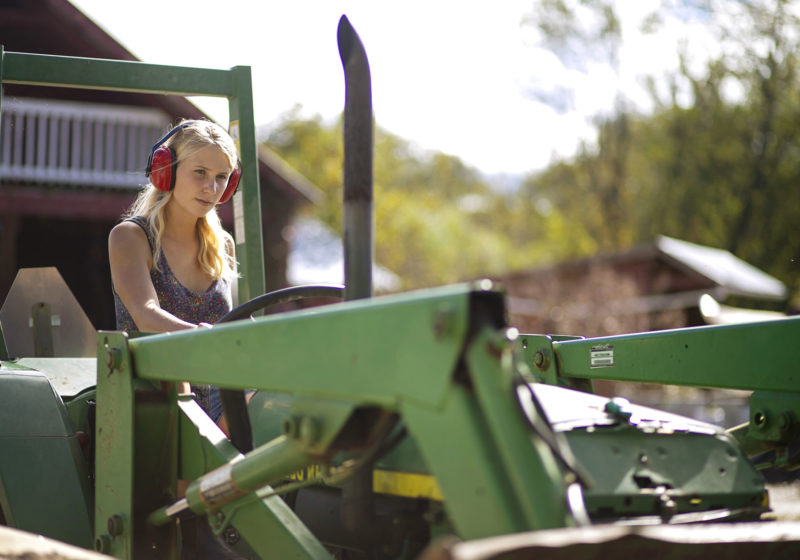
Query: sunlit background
[[469, 78]]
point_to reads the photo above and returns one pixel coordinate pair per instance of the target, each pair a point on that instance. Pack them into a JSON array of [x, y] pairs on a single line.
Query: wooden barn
[[668, 283]]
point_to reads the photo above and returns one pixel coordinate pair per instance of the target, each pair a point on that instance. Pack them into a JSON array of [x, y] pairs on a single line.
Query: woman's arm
[[130, 260]]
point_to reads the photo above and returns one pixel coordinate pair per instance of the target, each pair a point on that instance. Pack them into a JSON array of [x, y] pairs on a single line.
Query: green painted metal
[[538, 356], [644, 463], [529, 465], [356, 352], [267, 524], [774, 424], [774, 416], [247, 202], [483, 458], [69, 376], [136, 464], [271, 529], [537, 353], [203, 446], [389, 348], [696, 472], [761, 356], [42, 462], [115, 466], [454, 440], [267, 411], [264, 465], [455, 395], [115, 75], [155, 473]]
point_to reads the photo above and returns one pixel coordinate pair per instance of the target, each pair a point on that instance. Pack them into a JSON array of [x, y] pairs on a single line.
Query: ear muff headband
[[162, 161]]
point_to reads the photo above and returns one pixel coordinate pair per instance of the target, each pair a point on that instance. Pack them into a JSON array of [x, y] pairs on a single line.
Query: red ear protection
[[233, 184], [163, 161], [161, 167]]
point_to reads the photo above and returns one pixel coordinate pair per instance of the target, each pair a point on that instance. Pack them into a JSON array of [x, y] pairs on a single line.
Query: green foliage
[[315, 150], [437, 220], [724, 171], [720, 171], [577, 30]]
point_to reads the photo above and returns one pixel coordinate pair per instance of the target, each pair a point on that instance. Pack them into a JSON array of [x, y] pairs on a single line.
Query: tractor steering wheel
[[294, 293], [233, 400]]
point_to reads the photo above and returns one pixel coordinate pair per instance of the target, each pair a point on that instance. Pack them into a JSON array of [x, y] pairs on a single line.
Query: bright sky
[[448, 75]]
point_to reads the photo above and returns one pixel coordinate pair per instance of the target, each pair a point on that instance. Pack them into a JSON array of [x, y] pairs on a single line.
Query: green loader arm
[[455, 392], [760, 357]]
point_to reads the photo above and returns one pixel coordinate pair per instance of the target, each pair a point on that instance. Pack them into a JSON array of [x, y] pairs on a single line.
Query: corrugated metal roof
[[714, 313], [723, 268]]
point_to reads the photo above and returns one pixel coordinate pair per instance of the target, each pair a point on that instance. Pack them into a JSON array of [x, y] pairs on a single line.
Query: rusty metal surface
[[735, 541]]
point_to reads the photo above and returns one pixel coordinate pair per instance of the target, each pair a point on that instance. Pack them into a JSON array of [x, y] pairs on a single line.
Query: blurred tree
[[437, 220], [717, 165], [579, 33], [725, 170], [315, 150]]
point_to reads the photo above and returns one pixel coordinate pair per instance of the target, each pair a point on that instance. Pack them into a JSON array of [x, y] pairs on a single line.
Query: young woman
[[172, 263]]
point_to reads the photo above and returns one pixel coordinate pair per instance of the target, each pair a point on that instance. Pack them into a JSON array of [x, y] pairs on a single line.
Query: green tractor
[[416, 425]]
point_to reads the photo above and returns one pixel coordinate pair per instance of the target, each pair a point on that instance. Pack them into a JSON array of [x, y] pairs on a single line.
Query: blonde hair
[[216, 244]]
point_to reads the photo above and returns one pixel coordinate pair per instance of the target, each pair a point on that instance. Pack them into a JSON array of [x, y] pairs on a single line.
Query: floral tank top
[[185, 304], [174, 297]]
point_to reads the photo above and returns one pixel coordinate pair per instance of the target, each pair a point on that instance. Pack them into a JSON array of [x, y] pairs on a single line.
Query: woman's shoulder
[[128, 235]]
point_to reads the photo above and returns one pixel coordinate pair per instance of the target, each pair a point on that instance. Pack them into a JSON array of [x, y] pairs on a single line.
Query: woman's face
[[200, 180]]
